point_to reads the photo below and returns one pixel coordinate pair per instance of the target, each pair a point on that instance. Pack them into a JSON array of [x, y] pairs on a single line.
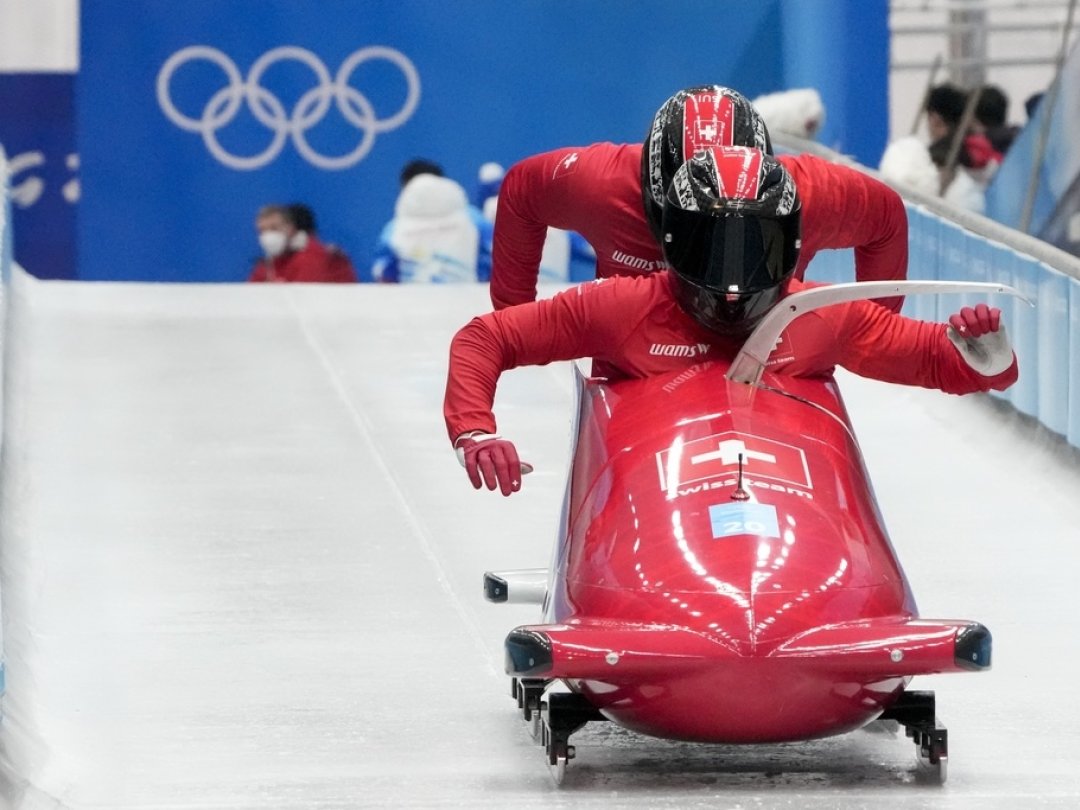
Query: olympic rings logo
[[310, 109]]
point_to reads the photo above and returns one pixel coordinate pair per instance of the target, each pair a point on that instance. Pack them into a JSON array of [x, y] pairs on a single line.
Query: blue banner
[[192, 115], [37, 131]]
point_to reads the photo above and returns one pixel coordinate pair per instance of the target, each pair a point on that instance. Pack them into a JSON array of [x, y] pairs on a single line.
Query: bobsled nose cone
[[528, 653], [973, 647]]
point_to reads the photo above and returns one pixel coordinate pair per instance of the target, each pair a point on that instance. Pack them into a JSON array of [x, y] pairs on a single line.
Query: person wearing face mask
[[292, 251]]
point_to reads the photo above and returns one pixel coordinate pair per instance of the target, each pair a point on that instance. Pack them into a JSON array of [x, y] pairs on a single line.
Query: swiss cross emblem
[[717, 456], [566, 165], [708, 120]]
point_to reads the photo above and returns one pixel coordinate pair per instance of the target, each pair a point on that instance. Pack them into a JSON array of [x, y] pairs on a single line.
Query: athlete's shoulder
[[805, 165], [597, 160], [807, 168]]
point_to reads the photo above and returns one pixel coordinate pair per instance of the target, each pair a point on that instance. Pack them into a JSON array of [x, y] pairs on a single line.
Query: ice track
[[241, 569]]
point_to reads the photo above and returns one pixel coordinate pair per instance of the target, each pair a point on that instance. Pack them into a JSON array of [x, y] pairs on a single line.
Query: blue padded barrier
[[951, 244], [1053, 350], [6, 261], [6, 242], [1072, 430]]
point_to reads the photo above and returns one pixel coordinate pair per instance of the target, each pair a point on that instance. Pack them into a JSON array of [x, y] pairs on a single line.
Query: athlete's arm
[[591, 320], [537, 192], [882, 345], [845, 208]]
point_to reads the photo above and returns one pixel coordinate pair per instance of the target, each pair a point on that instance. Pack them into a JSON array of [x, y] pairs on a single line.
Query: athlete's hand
[[491, 460], [979, 335]]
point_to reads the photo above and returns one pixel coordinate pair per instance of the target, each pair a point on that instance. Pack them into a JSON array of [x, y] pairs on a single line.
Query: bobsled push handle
[[749, 364]]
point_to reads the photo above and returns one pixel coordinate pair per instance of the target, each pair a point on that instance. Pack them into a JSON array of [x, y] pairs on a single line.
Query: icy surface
[[241, 569]]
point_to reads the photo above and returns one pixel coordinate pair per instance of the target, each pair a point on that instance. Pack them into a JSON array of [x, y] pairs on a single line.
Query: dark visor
[[730, 252]]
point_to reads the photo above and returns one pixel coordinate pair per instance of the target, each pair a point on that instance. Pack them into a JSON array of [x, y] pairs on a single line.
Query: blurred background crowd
[[299, 143]]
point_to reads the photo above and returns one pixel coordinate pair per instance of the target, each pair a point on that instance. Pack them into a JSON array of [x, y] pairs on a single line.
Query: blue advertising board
[[37, 131], [192, 115]]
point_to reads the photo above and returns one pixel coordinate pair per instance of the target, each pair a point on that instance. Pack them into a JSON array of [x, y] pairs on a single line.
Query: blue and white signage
[[37, 131], [328, 95], [742, 518], [192, 115]]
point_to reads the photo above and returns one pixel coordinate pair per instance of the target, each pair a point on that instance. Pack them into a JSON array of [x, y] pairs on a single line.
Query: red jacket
[[637, 329], [596, 191], [315, 263]]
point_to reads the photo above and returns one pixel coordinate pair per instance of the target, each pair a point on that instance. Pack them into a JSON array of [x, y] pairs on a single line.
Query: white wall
[[39, 35]]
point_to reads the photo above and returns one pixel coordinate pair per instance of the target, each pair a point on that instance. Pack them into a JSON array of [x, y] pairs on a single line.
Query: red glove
[[492, 458], [979, 335]]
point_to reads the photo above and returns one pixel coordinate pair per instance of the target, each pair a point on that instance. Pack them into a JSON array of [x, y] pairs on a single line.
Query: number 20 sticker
[[731, 519]]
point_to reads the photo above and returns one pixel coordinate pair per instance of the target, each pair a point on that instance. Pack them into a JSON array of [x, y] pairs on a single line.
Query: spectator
[[944, 110], [292, 251], [796, 112], [1031, 105], [418, 166], [907, 161], [964, 184], [730, 230], [967, 161], [991, 118], [433, 236], [302, 217]]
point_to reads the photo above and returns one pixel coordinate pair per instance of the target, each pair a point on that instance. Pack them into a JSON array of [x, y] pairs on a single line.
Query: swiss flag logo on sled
[[717, 456]]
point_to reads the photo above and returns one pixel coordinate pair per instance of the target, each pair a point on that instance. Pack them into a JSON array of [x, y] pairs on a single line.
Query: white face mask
[[272, 243], [299, 241]]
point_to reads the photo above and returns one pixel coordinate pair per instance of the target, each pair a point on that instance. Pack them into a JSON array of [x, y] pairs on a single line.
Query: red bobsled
[[724, 575]]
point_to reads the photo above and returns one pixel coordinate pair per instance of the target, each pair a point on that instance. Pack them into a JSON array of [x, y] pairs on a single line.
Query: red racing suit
[[596, 191], [636, 327], [315, 263]]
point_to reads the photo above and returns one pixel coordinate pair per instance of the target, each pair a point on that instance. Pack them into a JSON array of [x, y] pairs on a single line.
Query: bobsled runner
[[723, 573]]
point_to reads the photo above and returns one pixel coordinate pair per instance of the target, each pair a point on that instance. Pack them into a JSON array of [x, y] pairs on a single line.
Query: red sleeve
[[341, 269], [591, 320], [258, 273], [845, 208], [321, 264], [539, 191], [882, 345]]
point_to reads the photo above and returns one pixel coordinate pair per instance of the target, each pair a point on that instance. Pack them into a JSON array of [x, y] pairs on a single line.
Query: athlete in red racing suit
[[731, 223], [631, 322], [596, 191]]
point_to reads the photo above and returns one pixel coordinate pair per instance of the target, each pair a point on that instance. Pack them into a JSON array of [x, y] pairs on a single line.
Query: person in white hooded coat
[[435, 236]]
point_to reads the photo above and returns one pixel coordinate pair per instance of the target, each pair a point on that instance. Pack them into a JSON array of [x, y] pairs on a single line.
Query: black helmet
[[731, 235], [691, 120]]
